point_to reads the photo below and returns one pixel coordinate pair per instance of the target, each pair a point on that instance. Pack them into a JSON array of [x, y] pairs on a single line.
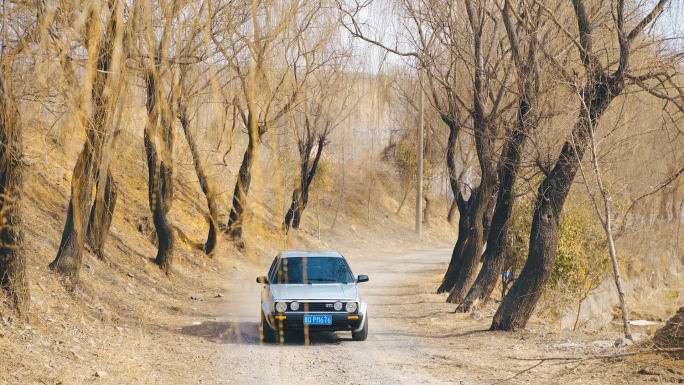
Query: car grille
[[318, 306]]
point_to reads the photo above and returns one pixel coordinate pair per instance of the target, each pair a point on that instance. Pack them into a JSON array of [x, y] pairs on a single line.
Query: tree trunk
[[212, 238], [158, 142], [497, 239], [300, 199], [426, 213], [13, 278], [294, 205], [70, 255], [452, 211], [489, 215], [403, 200], [158, 183], [517, 307], [472, 248], [452, 273], [101, 216], [244, 179]]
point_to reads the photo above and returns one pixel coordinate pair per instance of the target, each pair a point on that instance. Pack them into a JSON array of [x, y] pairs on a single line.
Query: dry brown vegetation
[[150, 152]]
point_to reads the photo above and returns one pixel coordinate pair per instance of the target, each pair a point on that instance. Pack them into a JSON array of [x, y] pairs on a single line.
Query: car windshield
[[312, 270]]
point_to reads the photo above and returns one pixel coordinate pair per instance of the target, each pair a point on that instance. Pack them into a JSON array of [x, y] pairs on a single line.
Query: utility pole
[[419, 185]]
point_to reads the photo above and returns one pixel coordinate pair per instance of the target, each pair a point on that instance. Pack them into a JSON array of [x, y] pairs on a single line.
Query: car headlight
[[351, 307], [338, 306], [294, 306], [281, 307]]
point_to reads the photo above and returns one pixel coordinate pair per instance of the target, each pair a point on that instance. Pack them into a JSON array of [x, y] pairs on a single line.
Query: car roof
[[309, 254]]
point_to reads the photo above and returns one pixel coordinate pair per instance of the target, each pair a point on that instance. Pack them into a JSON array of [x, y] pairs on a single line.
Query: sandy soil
[[414, 338]]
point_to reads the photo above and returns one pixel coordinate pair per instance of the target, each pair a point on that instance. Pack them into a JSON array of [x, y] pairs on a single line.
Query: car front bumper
[[295, 321]]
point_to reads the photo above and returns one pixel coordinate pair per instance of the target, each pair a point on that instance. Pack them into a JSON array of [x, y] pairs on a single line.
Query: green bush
[[407, 165], [321, 181], [582, 259]]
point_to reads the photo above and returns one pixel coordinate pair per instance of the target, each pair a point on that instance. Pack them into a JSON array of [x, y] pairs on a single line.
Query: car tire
[[267, 333], [362, 334]]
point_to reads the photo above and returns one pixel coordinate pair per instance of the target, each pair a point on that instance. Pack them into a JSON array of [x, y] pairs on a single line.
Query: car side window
[[271, 271]]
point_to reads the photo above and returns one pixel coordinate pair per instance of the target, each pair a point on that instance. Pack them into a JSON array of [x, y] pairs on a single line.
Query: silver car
[[311, 291]]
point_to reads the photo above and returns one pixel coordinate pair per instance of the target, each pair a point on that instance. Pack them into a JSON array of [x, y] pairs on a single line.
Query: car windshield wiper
[[324, 280]]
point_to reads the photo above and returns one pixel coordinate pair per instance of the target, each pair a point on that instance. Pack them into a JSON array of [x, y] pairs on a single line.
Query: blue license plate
[[317, 320]]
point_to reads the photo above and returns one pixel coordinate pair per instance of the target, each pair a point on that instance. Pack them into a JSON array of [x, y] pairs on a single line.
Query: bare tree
[[527, 79], [159, 134], [325, 106], [442, 34], [108, 117], [604, 216], [599, 88], [192, 50], [263, 62], [100, 45]]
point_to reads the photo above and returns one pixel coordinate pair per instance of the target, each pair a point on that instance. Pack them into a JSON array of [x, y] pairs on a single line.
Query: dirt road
[[387, 357], [415, 338]]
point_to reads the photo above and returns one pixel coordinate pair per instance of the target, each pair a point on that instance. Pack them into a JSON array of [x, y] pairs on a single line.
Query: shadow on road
[[247, 333]]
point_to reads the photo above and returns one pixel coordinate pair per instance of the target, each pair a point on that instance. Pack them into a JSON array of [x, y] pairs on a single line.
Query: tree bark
[[70, 255], [212, 237], [497, 239], [244, 179], [451, 275], [483, 129], [158, 142], [472, 248], [13, 277], [452, 211], [517, 307], [426, 213], [454, 268], [300, 197], [101, 215], [158, 185]]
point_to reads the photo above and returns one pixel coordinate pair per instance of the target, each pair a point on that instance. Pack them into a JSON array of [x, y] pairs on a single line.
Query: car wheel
[[362, 334], [267, 333]]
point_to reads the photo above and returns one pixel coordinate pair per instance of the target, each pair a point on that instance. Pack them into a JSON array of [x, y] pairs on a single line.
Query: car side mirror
[[362, 278], [262, 279]]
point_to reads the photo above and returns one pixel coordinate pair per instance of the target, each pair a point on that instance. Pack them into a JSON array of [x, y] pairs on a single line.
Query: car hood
[[315, 291]]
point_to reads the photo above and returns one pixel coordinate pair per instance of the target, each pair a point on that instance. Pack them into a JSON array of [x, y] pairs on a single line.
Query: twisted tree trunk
[[451, 275], [244, 179], [472, 247], [497, 239], [300, 197], [161, 197], [454, 268], [70, 255], [598, 92], [517, 307], [212, 237], [159, 149], [101, 215], [13, 277]]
